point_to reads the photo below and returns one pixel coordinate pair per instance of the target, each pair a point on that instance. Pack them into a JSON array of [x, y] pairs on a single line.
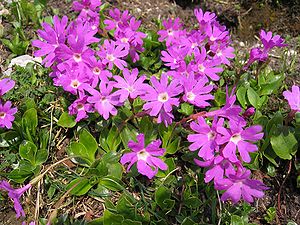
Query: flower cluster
[[269, 42], [87, 72], [100, 78], [224, 142], [145, 157], [6, 110]]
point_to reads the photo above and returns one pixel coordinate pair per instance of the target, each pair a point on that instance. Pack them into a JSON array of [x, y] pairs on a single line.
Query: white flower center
[[96, 70], [170, 32], [212, 38], [219, 53], [80, 106], [124, 40], [77, 57], [142, 155], [130, 89], [2, 115], [236, 138], [75, 84], [163, 97], [201, 68], [110, 57], [211, 135], [190, 96]]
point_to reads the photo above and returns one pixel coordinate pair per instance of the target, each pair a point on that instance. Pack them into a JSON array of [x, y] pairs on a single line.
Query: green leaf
[[110, 218], [30, 120], [241, 96], [127, 134], [253, 97], [81, 188], [186, 109], [284, 143], [67, 121], [112, 183], [162, 198], [27, 150], [173, 147], [188, 221], [41, 156], [80, 151], [192, 202], [113, 139], [89, 142], [236, 220]]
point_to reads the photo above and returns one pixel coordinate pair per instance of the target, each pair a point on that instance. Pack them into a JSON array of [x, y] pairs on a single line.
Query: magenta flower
[[269, 41], [206, 138], [214, 33], [195, 91], [165, 117], [77, 52], [238, 138], [204, 18], [73, 80], [161, 95], [6, 114], [97, 72], [52, 37], [111, 54], [146, 157], [129, 86], [240, 185], [80, 108], [217, 168], [172, 31], [293, 97], [6, 85], [229, 110], [87, 8], [205, 66], [224, 53], [104, 101], [256, 54], [119, 20], [172, 58], [15, 195]]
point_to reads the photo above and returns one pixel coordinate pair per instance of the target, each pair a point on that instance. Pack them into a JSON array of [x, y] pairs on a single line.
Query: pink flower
[[15, 195], [205, 66], [6, 85], [104, 102], [172, 31], [6, 114], [217, 168], [195, 91], [206, 138], [129, 86], [53, 37], [111, 54], [293, 97], [146, 157], [80, 108], [269, 41], [161, 95], [238, 138], [240, 185], [204, 18]]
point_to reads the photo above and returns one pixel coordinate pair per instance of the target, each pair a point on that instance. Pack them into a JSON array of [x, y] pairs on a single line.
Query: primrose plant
[[96, 61]]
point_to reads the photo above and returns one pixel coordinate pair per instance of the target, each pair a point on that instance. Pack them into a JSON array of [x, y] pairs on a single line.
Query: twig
[[281, 186], [220, 203], [59, 203], [37, 204]]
